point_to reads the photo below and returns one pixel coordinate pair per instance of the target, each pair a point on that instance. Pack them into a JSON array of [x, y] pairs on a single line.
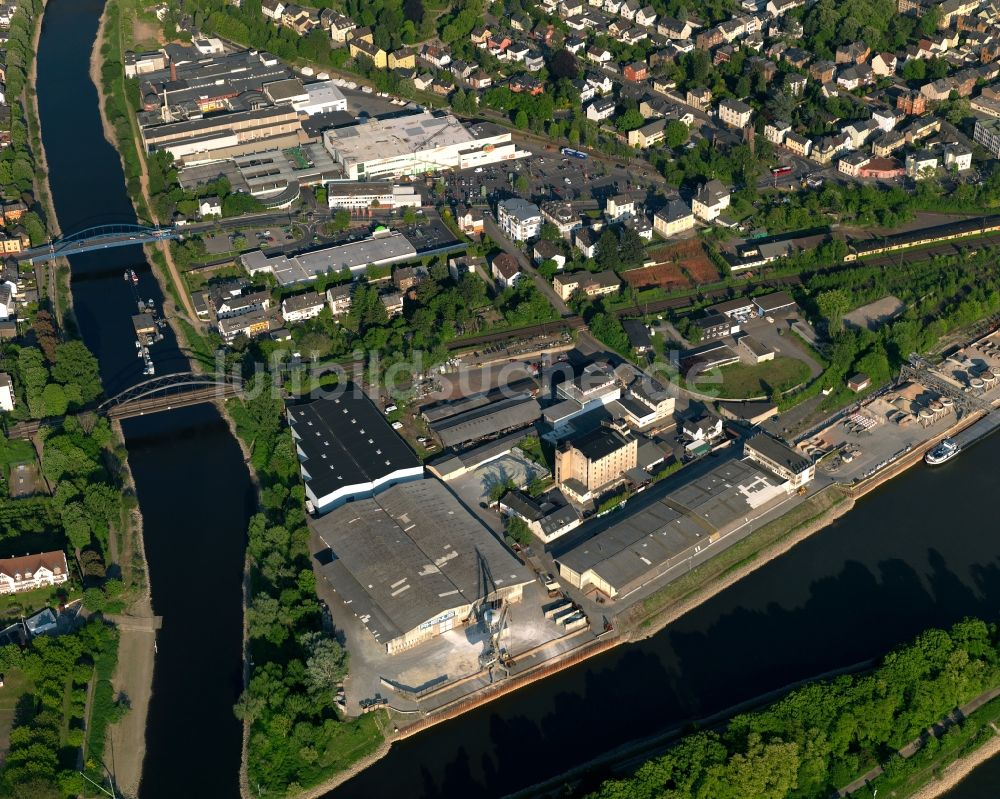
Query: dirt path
[[134, 678]]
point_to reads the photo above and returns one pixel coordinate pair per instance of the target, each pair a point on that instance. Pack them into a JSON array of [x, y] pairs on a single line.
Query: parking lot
[[550, 176]]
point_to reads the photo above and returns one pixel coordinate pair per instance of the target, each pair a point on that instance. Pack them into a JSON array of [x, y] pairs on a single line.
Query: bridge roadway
[[141, 407], [99, 238]]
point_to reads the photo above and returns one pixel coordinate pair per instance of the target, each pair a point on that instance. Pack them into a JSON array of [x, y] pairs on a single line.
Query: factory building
[[413, 563], [594, 462], [416, 144], [347, 449]]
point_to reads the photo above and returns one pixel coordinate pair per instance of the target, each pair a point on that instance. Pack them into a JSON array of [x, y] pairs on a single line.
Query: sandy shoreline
[[958, 770]]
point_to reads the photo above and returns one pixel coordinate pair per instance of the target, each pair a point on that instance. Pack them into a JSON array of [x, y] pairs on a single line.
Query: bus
[[778, 171], [573, 153]]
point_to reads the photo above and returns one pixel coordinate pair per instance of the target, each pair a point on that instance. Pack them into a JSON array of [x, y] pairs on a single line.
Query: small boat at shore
[[943, 452]]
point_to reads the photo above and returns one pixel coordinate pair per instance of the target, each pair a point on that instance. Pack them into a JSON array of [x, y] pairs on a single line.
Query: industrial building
[[384, 247], [596, 461], [782, 460], [486, 420], [226, 135], [416, 144], [668, 532], [347, 449], [380, 193], [413, 563]]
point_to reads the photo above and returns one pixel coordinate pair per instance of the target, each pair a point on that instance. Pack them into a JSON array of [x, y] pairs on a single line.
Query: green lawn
[[14, 606], [740, 380]]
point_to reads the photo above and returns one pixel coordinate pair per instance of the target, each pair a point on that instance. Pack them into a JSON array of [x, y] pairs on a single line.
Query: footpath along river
[[193, 487], [922, 550]]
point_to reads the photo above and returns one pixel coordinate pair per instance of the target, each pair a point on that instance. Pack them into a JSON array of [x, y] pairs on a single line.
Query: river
[[193, 487], [922, 550]]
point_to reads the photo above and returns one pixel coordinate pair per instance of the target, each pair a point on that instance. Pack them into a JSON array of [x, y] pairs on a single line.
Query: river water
[[921, 551], [193, 487]]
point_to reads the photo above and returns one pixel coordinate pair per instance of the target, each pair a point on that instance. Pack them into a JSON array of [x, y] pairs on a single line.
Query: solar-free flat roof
[[506, 414], [410, 555], [346, 440], [645, 541], [393, 137], [354, 256]]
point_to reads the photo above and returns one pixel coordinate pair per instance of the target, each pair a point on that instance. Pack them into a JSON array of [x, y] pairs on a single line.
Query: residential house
[[674, 29], [339, 298], [795, 84], [210, 206], [562, 216], [548, 251], [301, 307], [470, 221], [601, 109], [405, 278], [647, 135], [340, 27], [519, 219], [585, 240], [675, 217], [710, 201], [505, 270], [912, 103], [958, 157], [921, 164], [699, 98], [6, 392], [735, 113], [629, 9], [852, 163], [393, 303], [272, 9], [591, 284], [619, 207], [33, 571], [599, 55], [403, 58], [854, 53], [646, 17], [775, 132], [884, 65], [534, 61], [823, 71], [481, 80], [855, 76], [636, 71], [361, 48]]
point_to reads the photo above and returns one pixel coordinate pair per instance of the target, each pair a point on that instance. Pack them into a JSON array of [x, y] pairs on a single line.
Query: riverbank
[[133, 674], [959, 769]]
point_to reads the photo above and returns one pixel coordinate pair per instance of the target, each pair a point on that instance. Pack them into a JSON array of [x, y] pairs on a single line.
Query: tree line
[[296, 736], [822, 736]]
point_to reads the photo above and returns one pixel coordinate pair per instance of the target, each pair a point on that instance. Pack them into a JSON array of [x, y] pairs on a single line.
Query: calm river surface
[[921, 551], [193, 487]]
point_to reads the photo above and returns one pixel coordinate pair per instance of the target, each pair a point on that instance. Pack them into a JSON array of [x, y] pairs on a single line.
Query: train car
[[573, 153]]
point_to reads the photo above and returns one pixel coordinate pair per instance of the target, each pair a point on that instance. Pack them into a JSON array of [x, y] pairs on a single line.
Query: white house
[[519, 219], [32, 571], [6, 392], [602, 108], [505, 270], [921, 164], [301, 307], [710, 201], [958, 156], [7, 301], [210, 206]]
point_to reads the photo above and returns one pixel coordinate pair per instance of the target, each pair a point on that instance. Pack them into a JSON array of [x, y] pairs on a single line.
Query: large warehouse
[[347, 449], [487, 421], [354, 256], [415, 144], [670, 530], [412, 562]]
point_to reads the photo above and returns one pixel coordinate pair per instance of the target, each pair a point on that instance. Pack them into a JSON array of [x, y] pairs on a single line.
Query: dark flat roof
[[347, 440], [779, 452], [599, 443]]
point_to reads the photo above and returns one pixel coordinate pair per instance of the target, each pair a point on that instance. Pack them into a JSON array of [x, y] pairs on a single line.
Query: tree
[[520, 119], [522, 185], [327, 662], [606, 255], [76, 365], [518, 530], [675, 134], [563, 65], [630, 120]]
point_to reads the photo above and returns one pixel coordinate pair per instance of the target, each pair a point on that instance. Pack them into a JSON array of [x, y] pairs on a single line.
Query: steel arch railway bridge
[[167, 392], [102, 237], [163, 393]]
